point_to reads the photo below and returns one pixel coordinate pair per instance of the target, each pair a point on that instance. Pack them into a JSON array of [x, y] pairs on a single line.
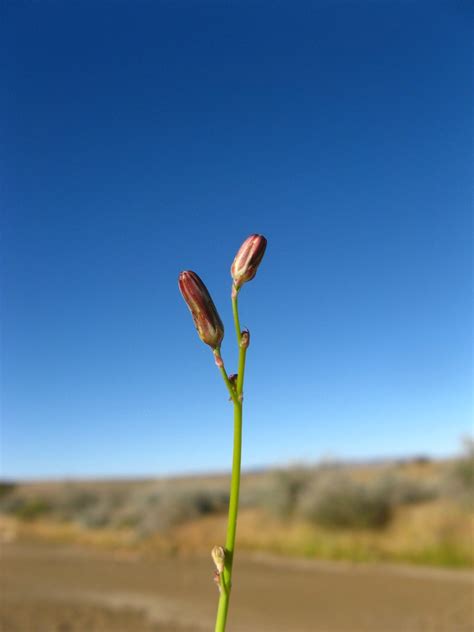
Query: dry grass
[[422, 523], [433, 533]]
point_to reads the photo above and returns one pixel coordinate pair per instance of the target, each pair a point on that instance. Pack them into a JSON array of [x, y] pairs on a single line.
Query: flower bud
[[218, 557], [247, 260], [233, 383], [233, 379], [206, 319], [245, 339]]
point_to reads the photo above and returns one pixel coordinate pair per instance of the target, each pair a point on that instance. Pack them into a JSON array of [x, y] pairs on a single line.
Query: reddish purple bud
[[247, 260], [206, 319]]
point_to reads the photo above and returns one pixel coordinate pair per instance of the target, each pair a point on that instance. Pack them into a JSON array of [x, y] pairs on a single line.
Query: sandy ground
[[56, 588]]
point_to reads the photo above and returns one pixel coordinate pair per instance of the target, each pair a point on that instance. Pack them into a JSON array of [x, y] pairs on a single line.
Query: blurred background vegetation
[[415, 510]]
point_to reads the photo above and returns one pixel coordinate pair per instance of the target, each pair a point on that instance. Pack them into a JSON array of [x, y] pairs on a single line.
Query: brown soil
[[55, 588]]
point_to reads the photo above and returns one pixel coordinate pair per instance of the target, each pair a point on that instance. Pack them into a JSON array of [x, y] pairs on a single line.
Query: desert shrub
[[72, 503], [147, 510], [10, 503], [335, 500], [26, 508], [96, 515], [458, 482], [6, 488], [403, 490], [251, 497], [160, 511], [421, 459], [254, 491], [33, 509], [284, 490], [90, 508]]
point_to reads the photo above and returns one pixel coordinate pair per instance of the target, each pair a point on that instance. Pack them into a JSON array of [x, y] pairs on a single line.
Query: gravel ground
[[53, 588]]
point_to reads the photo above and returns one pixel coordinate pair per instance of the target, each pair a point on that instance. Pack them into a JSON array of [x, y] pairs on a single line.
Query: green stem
[[235, 312], [242, 351], [232, 522], [224, 598], [230, 388]]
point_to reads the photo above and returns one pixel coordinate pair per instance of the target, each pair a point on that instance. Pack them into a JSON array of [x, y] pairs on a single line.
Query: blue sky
[[141, 139]]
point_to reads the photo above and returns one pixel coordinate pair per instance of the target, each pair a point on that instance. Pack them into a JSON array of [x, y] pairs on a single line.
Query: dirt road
[[53, 588]]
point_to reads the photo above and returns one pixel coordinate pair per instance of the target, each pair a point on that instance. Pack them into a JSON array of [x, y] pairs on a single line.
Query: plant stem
[[230, 388], [235, 312], [232, 522], [224, 598], [242, 351]]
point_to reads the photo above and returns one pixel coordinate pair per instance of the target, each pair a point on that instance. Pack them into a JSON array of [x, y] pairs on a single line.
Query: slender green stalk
[[226, 581], [231, 524], [230, 388], [235, 312], [211, 331], [242, 350]]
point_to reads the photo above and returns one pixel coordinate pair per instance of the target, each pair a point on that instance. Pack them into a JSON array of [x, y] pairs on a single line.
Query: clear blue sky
[[143, 138]]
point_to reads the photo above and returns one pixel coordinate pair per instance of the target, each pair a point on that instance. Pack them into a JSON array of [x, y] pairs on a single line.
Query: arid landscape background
[[346, 547], [144, 140]]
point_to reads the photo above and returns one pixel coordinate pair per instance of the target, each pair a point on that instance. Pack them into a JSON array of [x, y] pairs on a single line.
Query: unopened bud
[[233, 383], [233, 379], [206, 319], [218, 557], [245, 339], [247, 260]]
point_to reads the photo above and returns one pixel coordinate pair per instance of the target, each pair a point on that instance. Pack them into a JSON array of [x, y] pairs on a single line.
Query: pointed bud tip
[[247, 260]]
